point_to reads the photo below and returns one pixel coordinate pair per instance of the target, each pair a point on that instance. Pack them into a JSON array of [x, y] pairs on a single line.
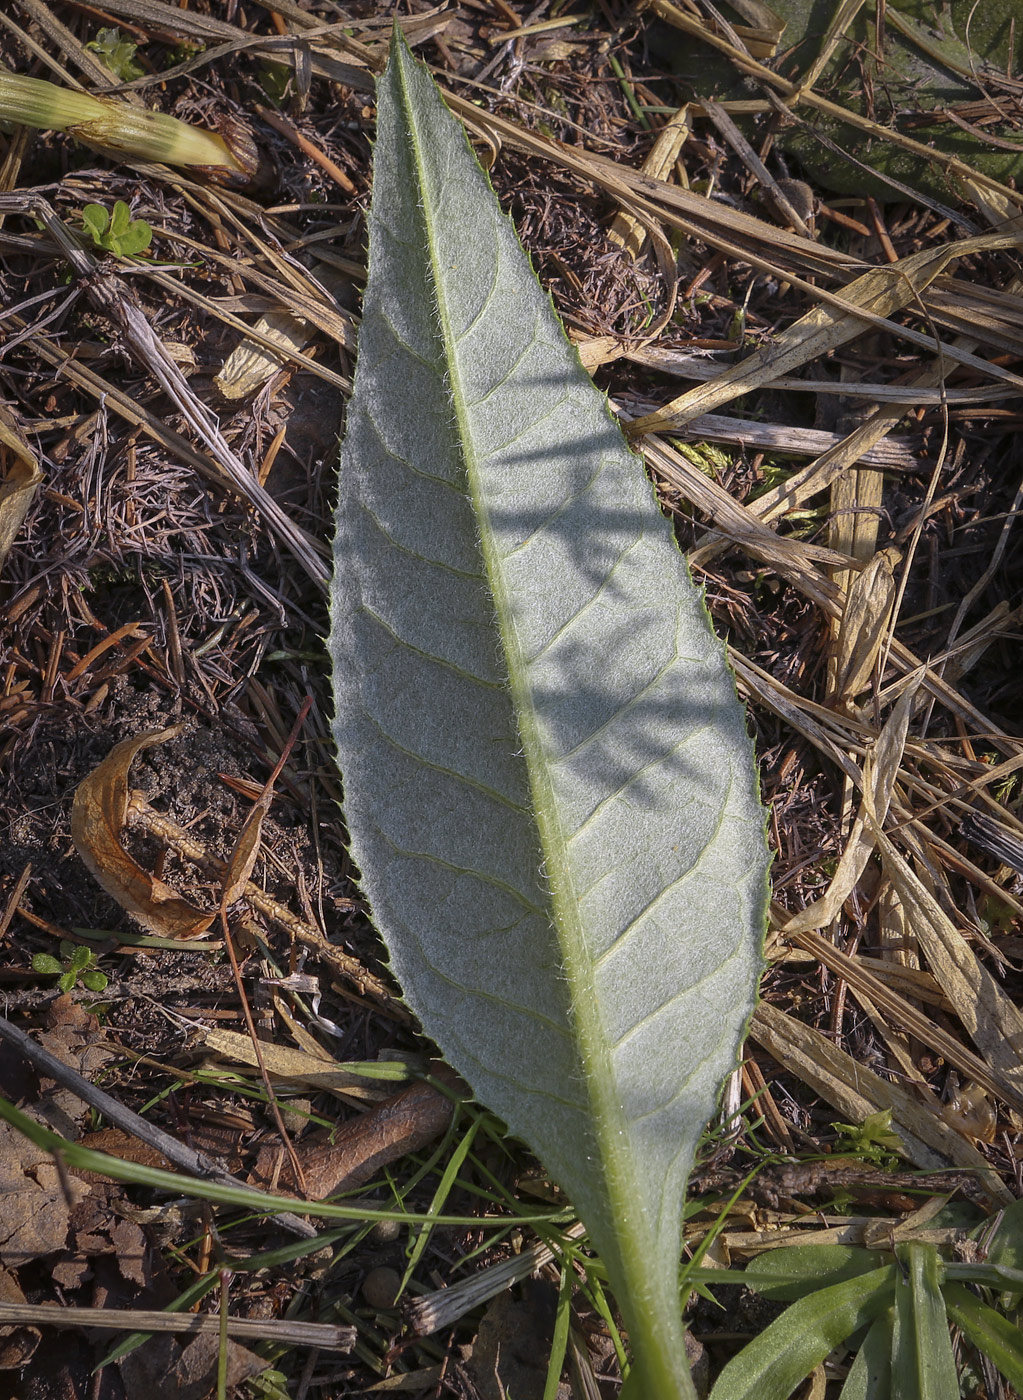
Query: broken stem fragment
[[120, 128]]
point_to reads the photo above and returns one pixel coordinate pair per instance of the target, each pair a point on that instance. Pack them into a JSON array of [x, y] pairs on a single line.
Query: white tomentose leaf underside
[[548, 783]]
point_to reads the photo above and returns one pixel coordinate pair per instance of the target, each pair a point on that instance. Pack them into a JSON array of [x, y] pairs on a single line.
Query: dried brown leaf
[[253, 362], [245, 853], [37, 1200], [17, 1344], [164, 1369], [97, 821], [21, 477]]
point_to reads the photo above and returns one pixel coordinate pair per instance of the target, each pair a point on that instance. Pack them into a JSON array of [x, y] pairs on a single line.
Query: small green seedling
[[116, 53], [276, 79], [116, 233], [77, 964], [872, 1140]]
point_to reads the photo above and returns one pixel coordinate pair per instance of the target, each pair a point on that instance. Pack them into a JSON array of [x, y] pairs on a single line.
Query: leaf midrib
[[610, 1124]]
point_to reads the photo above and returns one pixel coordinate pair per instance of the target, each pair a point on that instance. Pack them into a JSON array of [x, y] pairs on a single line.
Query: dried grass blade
[[294, 1066], [880, 771], [829, 467], [854, 517], [902, 1012], [857, 1092], [742, 148], [113, 297], [991, 1019], [761, 17], [794, 711], [774, 437], [793, 559], [333, 957], [865, 617], [283, 1332], [264, 349], [627, 231], [170, 20], [730, 231], [879, 293], [833, 35], [684, 365], [699, 29], [107, 393]]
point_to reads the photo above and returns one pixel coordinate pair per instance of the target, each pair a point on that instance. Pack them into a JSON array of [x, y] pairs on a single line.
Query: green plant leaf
[[127, 236], [773, 1364], [548, 783], [80, 958], [119, 221], [923, 1366], [116, 233], [872, 1140], [135, 239], [784, 1275], [988, 1330], [95, 220], [95, 980], [117, 53], [46, 964], [870, 1375]]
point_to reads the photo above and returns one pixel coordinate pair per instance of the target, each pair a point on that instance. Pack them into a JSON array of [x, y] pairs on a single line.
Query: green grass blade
[[562, 1323], [242, 1197], [784, 1275], [773, 1364], [923, 1366], [1005, 1249], [990, 1332], [870, 1375]]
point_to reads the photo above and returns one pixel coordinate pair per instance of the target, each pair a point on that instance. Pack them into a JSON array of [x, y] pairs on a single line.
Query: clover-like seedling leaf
[[96, 220], [116, 233]]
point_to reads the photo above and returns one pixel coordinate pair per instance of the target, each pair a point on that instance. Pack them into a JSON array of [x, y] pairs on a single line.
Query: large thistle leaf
[[548, 784]]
